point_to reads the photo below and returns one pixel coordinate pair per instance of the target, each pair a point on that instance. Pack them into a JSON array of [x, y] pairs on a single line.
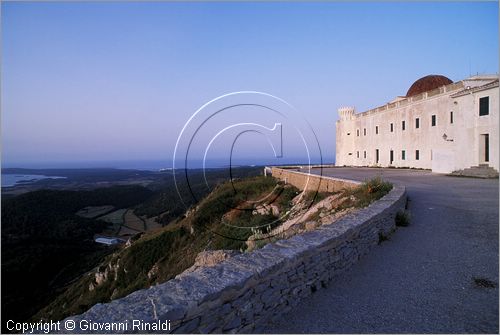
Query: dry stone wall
[[246, 291], [312, 182]]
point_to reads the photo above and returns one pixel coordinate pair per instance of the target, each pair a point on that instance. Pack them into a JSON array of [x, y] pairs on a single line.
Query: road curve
[[423, 279]]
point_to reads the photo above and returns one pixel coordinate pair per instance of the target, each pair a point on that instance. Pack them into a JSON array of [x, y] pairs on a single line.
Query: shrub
[[377, 186], [382, 238], [368, 192], [402, 219]]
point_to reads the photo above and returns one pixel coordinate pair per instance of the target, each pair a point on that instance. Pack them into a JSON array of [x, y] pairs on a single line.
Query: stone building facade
[[438, 125]]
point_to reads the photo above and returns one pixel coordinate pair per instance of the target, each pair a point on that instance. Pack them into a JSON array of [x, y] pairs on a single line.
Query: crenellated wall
[[246, 291]]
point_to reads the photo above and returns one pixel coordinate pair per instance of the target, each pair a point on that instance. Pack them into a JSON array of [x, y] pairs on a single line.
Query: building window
[[376, 130], [403, 155], [417, 155], [403, 125], [364, 132], [377, 155], [364, 154], [357, 154], [433, 120], [417, 123], [392, 127], [451, 117], [484, 106], [357, 132]]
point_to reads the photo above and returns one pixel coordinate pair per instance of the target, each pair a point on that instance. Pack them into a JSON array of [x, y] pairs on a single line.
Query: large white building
[[438, 125]]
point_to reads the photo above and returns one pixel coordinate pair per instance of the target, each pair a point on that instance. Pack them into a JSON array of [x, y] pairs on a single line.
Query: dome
[[427, 83]]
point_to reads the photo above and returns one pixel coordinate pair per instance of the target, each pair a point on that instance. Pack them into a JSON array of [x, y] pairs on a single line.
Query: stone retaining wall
[[246, 291], [312, 182]]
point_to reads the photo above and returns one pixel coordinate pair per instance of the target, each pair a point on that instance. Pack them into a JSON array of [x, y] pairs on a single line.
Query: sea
[[9, 180], [156, 165]]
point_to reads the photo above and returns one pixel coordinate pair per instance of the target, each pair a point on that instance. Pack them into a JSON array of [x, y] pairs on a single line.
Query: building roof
[[107, 240], [428, 83], [461, 87], [469, 89]]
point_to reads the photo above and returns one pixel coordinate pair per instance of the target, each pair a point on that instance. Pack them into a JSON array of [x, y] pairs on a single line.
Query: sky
[[100, 82]]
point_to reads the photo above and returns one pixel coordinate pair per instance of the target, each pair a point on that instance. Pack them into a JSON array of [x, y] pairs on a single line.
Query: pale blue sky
[[117, 81]]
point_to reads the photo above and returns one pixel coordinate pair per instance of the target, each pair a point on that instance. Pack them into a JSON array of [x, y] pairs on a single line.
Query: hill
[[232, 217], [48, 244], [159, 256], [42, 237]]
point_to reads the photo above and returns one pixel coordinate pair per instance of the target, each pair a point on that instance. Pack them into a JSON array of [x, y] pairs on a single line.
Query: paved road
[[422, 279]]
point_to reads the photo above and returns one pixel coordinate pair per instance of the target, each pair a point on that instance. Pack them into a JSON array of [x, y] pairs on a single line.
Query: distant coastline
[[14, 179], [153, 165]]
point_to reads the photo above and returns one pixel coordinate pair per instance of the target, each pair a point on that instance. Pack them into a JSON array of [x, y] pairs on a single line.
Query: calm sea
[[155, 165], [9, 180]]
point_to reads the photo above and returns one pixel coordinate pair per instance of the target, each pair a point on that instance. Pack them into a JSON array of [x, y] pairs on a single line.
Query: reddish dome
[[427, 83]]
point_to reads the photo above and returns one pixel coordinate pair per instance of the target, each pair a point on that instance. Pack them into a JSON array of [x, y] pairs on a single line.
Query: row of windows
[[484, 109], [403, 125], [391, 155]]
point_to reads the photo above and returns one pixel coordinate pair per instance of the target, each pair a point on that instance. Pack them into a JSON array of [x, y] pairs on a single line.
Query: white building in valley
[[438, 125], [108, 240]]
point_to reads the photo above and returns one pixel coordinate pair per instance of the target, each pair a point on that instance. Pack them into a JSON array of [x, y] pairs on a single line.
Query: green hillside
[[160, 256], [42, 237]]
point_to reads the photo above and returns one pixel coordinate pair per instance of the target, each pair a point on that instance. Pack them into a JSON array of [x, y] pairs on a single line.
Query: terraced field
[[115, 219], [91, 212]]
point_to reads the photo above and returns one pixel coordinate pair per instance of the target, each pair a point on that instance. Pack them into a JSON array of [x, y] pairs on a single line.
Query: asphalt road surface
[[434, 276]]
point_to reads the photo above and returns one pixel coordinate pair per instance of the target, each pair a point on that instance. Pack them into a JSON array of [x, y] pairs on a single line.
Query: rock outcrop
[[304, 218], [266, 210]]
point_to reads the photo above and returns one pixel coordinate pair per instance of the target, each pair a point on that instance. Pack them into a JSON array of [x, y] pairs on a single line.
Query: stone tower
[[346, 113], [343, 136]]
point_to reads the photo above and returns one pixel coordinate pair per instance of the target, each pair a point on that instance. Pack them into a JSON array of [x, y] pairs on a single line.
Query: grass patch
[[402, 219], [233, 235], [382, 238], [376, 187], [368, 192], [288, 193]]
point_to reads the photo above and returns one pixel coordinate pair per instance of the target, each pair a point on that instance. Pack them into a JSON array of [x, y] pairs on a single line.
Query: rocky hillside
[[237, 216], [156, 257]]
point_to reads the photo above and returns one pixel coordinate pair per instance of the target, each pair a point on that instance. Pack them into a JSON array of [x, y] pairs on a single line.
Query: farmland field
[[133, 221], [94, 211], [151, 224], [115, 219], [127, 232]]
